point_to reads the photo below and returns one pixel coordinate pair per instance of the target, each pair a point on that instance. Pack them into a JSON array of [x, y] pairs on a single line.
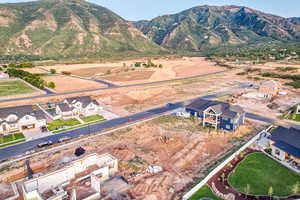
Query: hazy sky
[[147, 9]]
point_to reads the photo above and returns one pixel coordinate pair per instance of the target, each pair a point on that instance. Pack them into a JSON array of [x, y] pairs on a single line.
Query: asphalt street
[[22, 148]]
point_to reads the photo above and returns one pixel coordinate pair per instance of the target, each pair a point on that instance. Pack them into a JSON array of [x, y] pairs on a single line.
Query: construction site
[[158, 159]]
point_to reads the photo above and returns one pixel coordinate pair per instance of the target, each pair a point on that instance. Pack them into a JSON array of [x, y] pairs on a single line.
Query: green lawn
[[56, 124], [11, 138], [260, 173], [295, 117], [205, 191], [9, 88], [93, 118]]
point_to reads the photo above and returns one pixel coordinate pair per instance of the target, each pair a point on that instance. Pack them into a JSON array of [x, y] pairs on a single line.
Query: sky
[[148, 9]]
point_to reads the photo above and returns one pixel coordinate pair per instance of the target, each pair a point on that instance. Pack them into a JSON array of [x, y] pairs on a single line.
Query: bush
[[51, 85], [66, 73], [53, 71]]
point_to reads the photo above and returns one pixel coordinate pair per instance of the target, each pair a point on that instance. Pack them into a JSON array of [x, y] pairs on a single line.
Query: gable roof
[[225, 109], [21, 111], [64, 107], [85, 100], [287, 139]]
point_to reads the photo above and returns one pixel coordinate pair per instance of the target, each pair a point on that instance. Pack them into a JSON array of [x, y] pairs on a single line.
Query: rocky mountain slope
[[206, 26], [67, 28]]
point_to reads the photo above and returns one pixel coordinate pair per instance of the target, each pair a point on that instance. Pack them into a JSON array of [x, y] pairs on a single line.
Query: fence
[[217, 169]]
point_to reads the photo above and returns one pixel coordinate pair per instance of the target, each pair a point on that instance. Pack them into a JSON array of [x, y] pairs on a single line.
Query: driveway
[[35, 134]]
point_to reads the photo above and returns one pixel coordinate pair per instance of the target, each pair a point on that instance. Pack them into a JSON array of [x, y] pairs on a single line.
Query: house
[[285, 145], [20, 118], [219, 115], [78, 106], [297, 111], [80, 179], [3, 76], [269, 88]]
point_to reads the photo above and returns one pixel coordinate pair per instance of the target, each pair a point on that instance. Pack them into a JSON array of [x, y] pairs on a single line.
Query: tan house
[[269, 88], [20, 118]]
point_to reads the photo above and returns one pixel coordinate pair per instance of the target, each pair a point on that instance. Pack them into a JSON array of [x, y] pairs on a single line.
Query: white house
[[20, 118], [4, 75], [297, 112], [94, 169], [78, 106]]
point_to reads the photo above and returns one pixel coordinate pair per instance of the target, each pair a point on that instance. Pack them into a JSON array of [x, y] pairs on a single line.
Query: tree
[[53, 71], [51, 85], [270, 191], [108, 72]]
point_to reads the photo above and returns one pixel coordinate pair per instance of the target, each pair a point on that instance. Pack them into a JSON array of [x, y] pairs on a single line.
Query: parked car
[[64, 139], [44, 129], [44, 144], [169, 104]]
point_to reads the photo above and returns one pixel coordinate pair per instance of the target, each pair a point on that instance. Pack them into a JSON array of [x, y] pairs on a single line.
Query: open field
[[35, 70], [126, 73], [10, 88], [69, 84], [260, 173], [180, 146]]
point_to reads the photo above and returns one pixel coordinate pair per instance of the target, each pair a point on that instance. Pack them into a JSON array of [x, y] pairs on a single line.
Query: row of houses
[[29, 117]]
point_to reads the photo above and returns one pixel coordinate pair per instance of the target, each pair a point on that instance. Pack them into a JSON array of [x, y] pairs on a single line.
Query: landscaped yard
[[9, 88], [57, 124], [205, 191], [9, 139], [93, 118], [295, 117], [257, 173]]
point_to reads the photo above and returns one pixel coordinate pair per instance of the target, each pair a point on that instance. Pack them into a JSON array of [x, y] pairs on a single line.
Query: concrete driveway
[[35, 134]]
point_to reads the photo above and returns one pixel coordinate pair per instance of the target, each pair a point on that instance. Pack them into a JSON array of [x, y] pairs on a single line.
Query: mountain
[[207, 26], [67, 28]]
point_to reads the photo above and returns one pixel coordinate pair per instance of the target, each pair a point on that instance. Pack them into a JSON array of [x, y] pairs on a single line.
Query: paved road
[[112, 86], [22, 148]]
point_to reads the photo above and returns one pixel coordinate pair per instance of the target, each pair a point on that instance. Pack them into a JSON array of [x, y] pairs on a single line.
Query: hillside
[[67, 28], [208, 26]]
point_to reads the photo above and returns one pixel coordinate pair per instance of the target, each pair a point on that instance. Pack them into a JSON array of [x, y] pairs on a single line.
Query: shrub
[[51, 85], [53, 71], [66, 73]]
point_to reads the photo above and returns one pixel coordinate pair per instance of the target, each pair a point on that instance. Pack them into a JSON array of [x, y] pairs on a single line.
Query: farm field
[[260, 173], [70, 84], [10, 88], [126, 72]]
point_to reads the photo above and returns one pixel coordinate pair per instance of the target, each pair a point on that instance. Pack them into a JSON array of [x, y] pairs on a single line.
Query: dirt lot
[[125, 73], [35, 70], [180, 146], [69, 84]]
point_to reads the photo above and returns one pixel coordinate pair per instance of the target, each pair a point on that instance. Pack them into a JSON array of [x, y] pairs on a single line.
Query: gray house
[[219, 115]]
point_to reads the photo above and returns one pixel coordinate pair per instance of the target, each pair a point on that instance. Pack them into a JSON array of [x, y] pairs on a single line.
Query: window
[[228, 127], [277, 152]]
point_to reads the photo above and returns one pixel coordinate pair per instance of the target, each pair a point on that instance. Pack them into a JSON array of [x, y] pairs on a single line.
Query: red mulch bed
[[225, 188]]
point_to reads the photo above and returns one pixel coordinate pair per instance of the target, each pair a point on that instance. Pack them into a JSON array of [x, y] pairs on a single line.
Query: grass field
[[205, 191], [9, 88], [9, 139], [56, 124], [93, 118], [260, 173]]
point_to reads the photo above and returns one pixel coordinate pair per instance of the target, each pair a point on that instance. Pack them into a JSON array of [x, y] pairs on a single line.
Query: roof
[[64, 107], [85, 100], [225, 109], [21, 111], [287, 139]]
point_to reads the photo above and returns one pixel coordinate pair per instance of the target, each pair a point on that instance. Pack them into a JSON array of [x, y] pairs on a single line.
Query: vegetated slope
[[67, 28], [209, 26]]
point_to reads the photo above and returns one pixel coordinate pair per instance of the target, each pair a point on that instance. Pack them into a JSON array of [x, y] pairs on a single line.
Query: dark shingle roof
[[287, 139], [227, 110], [64, 107], [85, 100], [21, 111]]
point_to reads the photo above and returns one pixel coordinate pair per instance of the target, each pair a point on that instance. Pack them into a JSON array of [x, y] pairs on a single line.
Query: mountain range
[[76, 28]]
